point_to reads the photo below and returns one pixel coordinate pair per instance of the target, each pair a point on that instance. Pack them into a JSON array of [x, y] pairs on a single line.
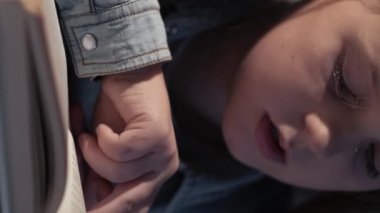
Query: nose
[[316, 135]]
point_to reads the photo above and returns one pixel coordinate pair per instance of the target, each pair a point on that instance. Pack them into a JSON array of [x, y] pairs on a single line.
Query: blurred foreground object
[[38, 167]]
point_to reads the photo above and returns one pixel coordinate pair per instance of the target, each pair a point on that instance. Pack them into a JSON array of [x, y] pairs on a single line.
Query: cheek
[[285, 86], [240, 120], [238, 123]]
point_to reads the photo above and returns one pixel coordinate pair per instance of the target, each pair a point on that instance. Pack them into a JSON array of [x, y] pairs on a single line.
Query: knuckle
[[172, 164], [171, 159], [175, 165], [162, 132], [162, 127], [166, 143], [168, 155]]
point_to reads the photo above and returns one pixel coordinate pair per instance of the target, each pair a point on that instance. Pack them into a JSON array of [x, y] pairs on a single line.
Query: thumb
[[109, 142]]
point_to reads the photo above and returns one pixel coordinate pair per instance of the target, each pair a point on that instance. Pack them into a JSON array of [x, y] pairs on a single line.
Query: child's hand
[[135, 144]]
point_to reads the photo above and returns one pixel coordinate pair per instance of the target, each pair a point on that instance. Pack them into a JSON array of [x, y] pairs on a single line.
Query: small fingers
[[134, 196], [114, 171], [131, 144]]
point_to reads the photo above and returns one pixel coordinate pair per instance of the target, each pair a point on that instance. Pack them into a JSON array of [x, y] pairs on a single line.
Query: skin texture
[[287, 74], [132, 151], [319, 133], [232, 83]]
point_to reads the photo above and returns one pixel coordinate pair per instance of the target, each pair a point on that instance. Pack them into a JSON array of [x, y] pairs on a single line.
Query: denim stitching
[[126, 68], [105, 10], [106, 62], [128, 58]]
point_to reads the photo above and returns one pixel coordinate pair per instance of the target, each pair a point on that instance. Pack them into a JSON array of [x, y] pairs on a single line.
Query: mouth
[[267, 140]]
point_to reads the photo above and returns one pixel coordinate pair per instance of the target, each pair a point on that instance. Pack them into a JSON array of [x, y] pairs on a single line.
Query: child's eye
[[342, 91], [371, 169]]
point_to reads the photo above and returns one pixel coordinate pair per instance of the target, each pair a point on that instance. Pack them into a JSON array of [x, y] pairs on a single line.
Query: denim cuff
[[116, 39]]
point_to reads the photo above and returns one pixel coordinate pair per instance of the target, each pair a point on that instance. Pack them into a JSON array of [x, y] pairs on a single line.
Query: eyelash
[[370, 165], [342, 91], [348, 98]]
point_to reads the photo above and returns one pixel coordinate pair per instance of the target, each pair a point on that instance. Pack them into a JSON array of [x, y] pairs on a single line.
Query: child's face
[[328, 131]]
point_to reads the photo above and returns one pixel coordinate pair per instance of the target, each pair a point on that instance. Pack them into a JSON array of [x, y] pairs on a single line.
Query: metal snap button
[[89, 42]]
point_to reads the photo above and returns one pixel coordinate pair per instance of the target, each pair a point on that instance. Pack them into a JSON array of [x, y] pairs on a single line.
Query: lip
[[267, 144]]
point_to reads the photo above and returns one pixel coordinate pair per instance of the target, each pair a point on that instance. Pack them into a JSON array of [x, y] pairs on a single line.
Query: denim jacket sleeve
[[112, 36]]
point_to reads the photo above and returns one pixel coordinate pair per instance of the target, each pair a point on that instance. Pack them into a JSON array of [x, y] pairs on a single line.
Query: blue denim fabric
[[127, 34]]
